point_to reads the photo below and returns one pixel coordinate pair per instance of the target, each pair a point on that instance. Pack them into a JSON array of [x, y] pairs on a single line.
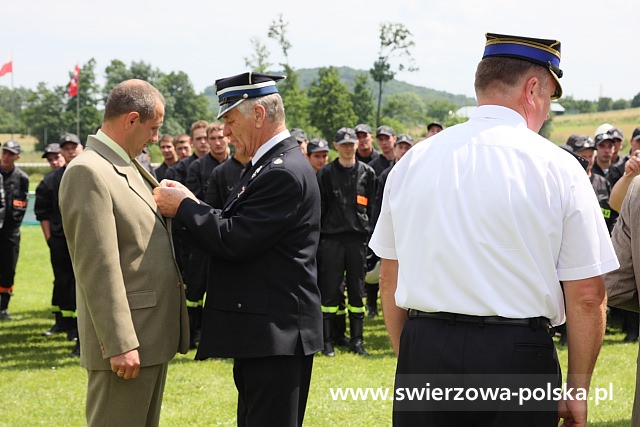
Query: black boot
[[76, 349], [339, 338], [71, 326], [195, 316], [4, 304], [372, 300], [356, 321], [630, 326], [57, 327], [328, 323]]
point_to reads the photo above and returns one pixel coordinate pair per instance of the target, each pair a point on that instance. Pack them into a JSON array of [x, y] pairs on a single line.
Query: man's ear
[[530, 87], [260, 115], [130, 119]]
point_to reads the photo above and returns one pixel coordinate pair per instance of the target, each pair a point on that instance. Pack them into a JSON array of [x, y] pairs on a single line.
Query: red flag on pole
[[6, 68], [73, 84]]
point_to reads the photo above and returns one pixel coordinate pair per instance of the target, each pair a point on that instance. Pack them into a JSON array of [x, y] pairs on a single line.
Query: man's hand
[[126, 365], [169, 196], [632, 167], [573, 413]]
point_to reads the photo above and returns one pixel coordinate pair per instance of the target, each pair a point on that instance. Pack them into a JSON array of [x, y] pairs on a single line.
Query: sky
[[209, 40]]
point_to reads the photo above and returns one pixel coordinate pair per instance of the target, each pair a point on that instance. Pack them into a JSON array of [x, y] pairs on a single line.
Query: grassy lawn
[[586, 124], [42, 385]]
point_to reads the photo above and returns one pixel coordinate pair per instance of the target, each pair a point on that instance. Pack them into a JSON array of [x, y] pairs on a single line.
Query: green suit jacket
[[128, 287]]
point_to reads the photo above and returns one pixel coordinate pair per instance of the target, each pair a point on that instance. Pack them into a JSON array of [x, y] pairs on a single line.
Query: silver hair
[[272, 104]]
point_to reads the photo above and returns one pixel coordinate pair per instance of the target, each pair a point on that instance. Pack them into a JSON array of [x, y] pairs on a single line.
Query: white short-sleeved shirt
[[486, 217]]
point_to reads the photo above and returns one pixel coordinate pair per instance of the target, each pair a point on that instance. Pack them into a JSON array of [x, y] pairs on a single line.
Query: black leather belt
[[532, 322]]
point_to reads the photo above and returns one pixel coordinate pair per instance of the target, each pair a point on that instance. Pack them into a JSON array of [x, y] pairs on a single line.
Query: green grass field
[[41, 384]]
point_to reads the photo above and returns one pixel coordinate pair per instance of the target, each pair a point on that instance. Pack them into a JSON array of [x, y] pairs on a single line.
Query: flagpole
[[13, 100], [78, 108]]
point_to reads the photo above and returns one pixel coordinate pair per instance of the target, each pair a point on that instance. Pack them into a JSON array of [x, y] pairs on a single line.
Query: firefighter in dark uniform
[[16, 191], [347, 191], [386, 137], [178, 172], [198, 265], [366, 152], [56, 161], [47, 212], [224, 178], [263, 309]]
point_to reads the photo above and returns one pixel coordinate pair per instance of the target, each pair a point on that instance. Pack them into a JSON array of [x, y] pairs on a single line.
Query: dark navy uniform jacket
[[160, 171], [178, 172], [222, 181], [265, 299], [46, 206], [347, 196], [198, 174], [16, 193]]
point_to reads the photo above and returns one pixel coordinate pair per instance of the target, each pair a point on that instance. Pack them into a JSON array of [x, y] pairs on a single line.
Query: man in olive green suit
[[623, 285], [131, 304]]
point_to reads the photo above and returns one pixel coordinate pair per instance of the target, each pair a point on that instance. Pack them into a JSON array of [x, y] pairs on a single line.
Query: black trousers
[[197, 273], [469, 355], [64, 281], [337, 255], [9, 250], [272, 391]]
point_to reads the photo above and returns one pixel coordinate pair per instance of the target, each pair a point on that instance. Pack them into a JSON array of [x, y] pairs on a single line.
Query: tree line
[[320, 108]]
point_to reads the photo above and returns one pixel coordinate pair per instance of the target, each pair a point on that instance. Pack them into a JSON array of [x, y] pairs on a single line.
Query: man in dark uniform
[[178, 172], [434, 128], [347, 189], [386, 140], [300, 136], [403, 143], [200, 169], [197, 182], [604, 153], [144, 158], [365, 153], [584, 148], [317, 153], [47, 210], [263, 309], [53, 156], [168, 150], [16, 192], [224, 178]]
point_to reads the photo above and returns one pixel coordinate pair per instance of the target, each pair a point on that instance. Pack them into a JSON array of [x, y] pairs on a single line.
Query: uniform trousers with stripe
[[341, 258]]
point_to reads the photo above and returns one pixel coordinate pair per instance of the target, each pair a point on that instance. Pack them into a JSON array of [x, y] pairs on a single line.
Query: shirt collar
[[498, 112], [106, 140], [264, 148]]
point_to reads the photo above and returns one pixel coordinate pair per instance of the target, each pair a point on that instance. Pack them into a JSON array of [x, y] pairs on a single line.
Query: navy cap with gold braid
[[539, 51], [231, 91]]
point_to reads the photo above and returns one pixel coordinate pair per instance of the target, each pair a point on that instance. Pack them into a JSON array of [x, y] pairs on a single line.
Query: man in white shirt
[[477, 228]]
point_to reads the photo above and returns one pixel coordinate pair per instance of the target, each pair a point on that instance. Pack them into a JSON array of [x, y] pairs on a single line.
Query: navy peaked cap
[[231, 91], [544, 52]]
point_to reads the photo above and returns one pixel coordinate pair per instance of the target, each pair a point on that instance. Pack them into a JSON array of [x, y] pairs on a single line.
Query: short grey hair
[[272, 104]]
